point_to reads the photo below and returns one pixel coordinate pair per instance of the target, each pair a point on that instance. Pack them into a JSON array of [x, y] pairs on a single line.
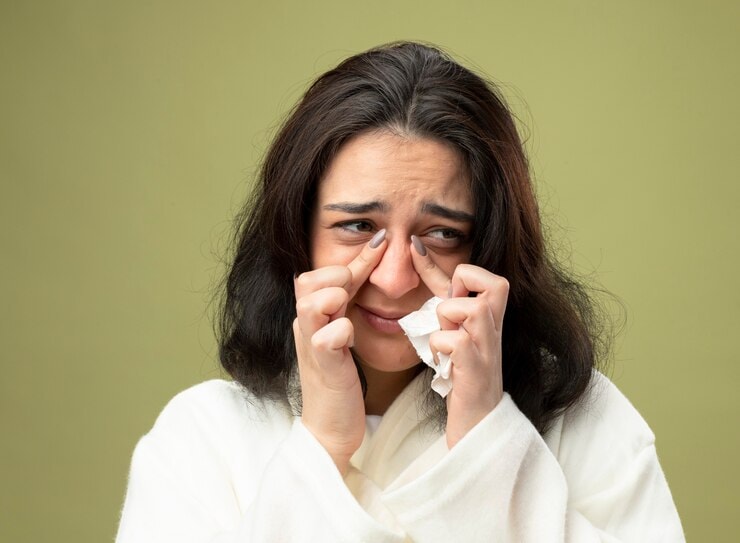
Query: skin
[[381, 189]]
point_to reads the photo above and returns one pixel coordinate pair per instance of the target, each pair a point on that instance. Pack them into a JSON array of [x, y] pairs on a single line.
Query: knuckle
[[342, 296], [344, 276], [303, 306], [465, 268], [435, 342], [302, 280], [464, 341], [479, 308], [319, 343], [344, 328], [334, 299]]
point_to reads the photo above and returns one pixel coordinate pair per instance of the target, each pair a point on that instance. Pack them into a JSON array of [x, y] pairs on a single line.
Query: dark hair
[[549, 341]]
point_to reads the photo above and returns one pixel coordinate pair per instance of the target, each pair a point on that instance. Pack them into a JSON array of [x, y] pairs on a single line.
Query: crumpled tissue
[[418, 326]]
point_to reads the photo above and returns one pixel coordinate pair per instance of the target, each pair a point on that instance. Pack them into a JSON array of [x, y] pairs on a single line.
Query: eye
[[357, 227], [445, 238], [446, 234]]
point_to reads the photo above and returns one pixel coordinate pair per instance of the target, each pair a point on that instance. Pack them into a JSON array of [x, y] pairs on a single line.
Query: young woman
[[399, 176]]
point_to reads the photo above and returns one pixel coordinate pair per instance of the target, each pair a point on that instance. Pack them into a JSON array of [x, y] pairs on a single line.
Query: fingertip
[[418, 246], [435, 278], [457, 287], [377, 239], [351, 340], [366, 260]]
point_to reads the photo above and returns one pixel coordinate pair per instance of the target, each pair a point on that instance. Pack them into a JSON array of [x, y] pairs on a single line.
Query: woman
[[399, 176]]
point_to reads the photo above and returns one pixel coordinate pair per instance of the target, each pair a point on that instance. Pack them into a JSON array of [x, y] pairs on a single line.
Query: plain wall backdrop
[[130, 133]]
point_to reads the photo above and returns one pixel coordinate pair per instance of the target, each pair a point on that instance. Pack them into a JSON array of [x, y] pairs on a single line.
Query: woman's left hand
[[471, 335]]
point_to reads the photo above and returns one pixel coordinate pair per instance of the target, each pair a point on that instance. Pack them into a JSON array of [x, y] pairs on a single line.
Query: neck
[[384, 387]]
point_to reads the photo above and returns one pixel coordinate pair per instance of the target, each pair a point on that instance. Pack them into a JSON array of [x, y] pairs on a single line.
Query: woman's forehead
[[389, 168]]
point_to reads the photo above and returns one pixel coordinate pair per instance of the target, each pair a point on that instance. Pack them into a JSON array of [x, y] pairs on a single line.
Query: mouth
[[385, 322]]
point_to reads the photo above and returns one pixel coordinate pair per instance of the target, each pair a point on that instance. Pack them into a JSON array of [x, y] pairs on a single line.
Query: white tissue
[[418, 326]]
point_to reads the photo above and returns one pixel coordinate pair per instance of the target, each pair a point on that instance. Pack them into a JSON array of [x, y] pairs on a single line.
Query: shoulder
[[221, 416], [600, 436], [216, 395], [206, 449], [605, 410]]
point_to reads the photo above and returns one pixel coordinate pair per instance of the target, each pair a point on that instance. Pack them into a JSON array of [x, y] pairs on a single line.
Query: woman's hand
[[471, 335], [333, 405]]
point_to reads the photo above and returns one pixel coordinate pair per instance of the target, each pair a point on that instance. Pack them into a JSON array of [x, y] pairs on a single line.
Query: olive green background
[[130, 131]]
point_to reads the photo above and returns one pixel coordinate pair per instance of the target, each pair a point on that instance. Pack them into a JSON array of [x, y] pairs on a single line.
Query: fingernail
[[377, 239], [419, 246]]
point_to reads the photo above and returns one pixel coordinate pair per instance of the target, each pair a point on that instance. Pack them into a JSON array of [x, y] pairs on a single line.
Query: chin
[[387, 354]]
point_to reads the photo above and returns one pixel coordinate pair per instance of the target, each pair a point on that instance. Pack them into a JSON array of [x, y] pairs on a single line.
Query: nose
[[395, 275]]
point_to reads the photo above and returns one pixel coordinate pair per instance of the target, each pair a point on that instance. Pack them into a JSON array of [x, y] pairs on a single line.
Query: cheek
[[448, 263], [327, 252]]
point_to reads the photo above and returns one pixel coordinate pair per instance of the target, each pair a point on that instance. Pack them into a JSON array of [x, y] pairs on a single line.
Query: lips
[[382, 320]]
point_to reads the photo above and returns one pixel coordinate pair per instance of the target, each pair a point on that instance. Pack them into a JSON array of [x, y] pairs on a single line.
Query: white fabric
[[419, 326], [371, 424], [221, 466]]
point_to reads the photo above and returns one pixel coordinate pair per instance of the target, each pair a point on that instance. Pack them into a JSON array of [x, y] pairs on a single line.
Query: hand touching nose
[[333, 406], [395, 276], [471, 330]]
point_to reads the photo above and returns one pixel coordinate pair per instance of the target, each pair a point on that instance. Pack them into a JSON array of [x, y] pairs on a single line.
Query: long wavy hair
[[552, 336]]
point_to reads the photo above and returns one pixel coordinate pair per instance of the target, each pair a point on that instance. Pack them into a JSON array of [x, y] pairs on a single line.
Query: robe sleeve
[[203, 475], [502, 482]]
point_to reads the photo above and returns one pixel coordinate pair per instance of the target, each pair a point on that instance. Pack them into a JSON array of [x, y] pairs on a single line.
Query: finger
[[456, 344], [475, 317], [302, 346], [324, 357], [331, 349], [433, 277], [300, 343], [365, 262], [331, 342], [465, 312], [328, 276], [317, 309], [489, 286]]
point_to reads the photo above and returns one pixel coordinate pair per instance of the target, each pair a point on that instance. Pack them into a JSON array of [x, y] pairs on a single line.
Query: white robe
[[222, 466]]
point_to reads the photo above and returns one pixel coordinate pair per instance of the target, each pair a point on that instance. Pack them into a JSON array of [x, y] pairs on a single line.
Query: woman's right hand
[[333, 404]]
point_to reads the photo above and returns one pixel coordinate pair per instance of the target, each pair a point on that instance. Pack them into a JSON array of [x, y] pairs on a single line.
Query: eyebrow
[[447, 213], [359, 208]]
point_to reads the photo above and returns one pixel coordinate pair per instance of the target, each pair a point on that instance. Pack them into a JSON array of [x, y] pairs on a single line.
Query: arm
[[503, 482], [217, 468], [187, 485], [500, 480]]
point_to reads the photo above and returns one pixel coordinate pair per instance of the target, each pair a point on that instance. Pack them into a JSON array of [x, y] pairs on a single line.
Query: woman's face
[[409, 186]]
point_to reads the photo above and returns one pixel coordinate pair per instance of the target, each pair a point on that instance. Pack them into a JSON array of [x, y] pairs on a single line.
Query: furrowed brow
[[357, 208], [447, 213]]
